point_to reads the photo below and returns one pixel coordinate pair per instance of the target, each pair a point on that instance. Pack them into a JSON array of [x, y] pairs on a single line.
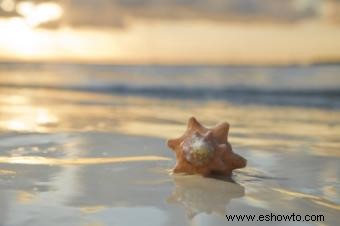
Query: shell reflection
[[204, 195]]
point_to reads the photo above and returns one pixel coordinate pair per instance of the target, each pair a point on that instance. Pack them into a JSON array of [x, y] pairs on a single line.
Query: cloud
[[116, 13]]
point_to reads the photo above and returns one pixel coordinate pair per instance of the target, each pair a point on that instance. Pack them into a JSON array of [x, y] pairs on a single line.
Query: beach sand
[[83, 158]]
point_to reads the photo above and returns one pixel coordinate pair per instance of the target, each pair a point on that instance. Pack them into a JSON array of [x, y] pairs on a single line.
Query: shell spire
[[205, 151]]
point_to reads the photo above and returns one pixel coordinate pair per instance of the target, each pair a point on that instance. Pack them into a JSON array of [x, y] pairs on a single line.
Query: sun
[[22, 37]]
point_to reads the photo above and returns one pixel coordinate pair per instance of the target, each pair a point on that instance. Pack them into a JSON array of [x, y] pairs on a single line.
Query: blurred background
[[170, 31], [240, 52]]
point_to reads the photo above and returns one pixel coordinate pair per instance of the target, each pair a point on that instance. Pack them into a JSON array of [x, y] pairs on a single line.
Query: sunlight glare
[[44, 117], [16, 125], [34, 119], [17, 30]]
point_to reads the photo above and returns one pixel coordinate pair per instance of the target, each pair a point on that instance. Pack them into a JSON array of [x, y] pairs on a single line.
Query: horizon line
[[159, 63]]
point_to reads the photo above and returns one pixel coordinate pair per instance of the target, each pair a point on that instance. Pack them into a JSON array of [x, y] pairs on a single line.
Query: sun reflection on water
[[31, 119], [38, 160], [24, 197]]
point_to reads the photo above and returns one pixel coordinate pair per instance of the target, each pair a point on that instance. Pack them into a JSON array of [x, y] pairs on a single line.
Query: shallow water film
[[85, 144]]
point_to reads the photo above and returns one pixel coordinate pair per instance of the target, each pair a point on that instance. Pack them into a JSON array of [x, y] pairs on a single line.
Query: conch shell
[[205, 151]]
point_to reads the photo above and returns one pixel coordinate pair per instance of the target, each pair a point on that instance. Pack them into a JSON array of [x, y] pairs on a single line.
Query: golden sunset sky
[[171, 31]]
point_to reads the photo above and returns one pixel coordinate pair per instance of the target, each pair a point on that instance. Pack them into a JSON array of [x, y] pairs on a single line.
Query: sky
[[171, 31]]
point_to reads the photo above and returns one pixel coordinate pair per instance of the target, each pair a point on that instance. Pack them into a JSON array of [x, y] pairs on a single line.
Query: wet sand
[[79, 158], [143, 191]]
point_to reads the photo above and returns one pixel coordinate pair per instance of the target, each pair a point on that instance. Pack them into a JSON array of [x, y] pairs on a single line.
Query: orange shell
[[205, 151]]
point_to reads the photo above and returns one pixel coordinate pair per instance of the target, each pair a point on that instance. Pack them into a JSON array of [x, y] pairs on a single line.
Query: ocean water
[[307, 86], [85, 144]]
